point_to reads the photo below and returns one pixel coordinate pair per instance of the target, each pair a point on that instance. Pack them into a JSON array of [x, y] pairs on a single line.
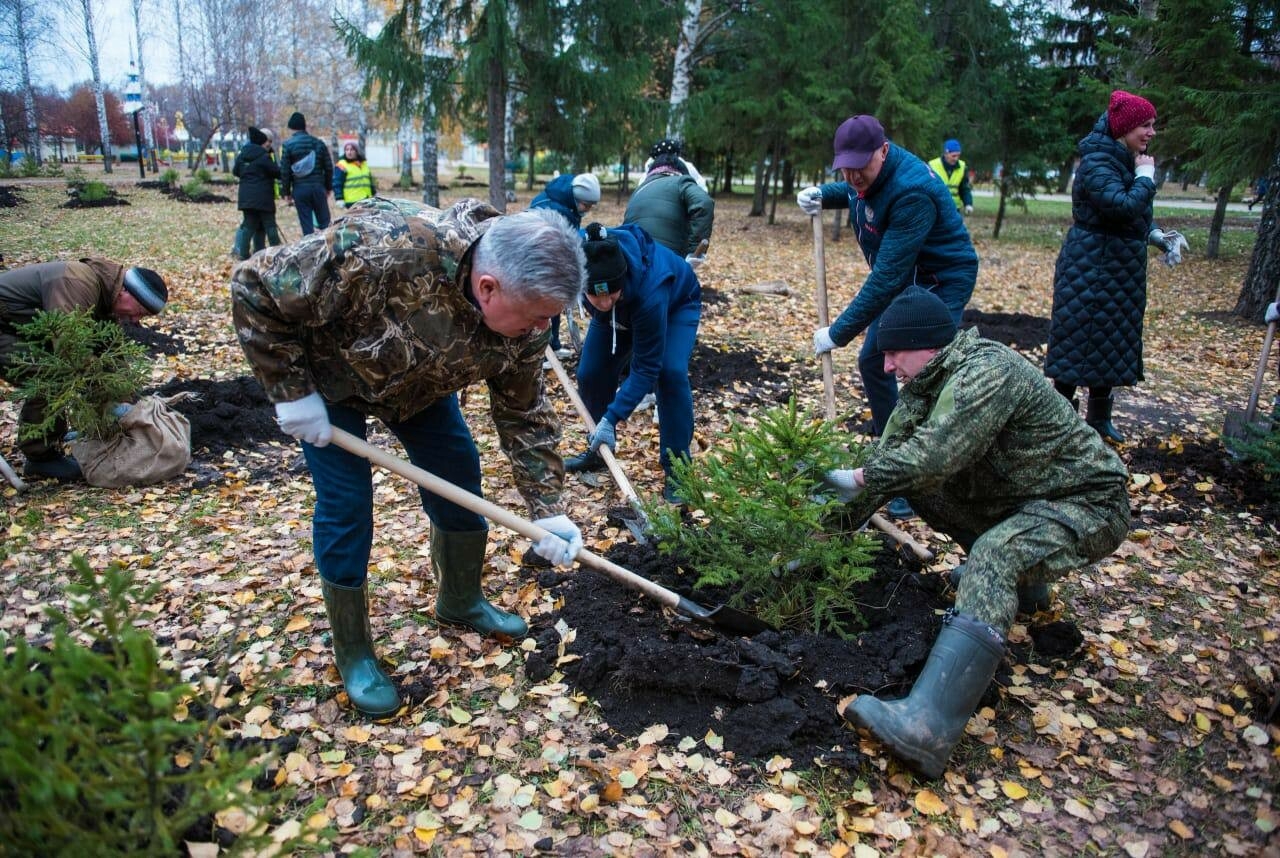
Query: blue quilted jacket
[[1100, 281]]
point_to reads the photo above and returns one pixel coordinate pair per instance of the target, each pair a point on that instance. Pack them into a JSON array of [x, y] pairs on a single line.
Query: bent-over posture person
[[987, 452], [388, 314]]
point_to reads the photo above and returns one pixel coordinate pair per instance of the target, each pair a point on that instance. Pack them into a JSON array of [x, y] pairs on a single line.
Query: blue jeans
[[599, 371], [312, 202], [880, 387], [436, 438]]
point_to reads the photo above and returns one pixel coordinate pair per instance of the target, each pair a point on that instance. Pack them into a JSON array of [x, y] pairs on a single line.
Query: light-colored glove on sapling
[[810, 200], [305, 419], [562, 542], [822, 342], [841, 482]]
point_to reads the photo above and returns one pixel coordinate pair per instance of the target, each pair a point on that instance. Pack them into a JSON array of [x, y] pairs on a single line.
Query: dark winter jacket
[[558, 196], [257, 170], [674, 210], [658, 283], [1100, 282], [910, 232], [294, 151]]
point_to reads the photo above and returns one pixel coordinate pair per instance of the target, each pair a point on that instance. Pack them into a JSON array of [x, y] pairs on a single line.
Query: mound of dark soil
[[111, 199], [226, 415], [1018, 330], [745, 378], [1199, 474], [207, 197], [9, 197], [156, 342], [775, 693]]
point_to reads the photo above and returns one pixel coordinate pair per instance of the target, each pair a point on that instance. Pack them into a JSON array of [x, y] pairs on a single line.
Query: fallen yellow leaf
[[927, 802], [1013, 790]]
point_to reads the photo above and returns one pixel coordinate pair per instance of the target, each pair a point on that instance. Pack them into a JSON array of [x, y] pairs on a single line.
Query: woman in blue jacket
[[646, 303]]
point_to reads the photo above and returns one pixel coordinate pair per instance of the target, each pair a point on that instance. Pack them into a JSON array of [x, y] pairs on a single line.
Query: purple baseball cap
[[857, 140]]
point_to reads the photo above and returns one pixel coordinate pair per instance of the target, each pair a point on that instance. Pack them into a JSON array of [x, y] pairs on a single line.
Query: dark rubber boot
[[587, 461], [64, 469], [1098, 416], [924, 727], [900, 508], [459, 560], [368, 687], [240, 247], [1032, 598]]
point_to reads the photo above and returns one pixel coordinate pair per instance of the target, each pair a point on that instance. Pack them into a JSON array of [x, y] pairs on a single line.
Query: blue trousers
[[312, 202], [436, 438], [599, 369], [881, 387]]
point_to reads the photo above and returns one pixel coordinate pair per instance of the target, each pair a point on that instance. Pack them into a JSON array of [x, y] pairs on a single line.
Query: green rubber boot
[[1032, 598], [923, 728], [240, 247], [1098, 415], [459, 560], [367, 686]]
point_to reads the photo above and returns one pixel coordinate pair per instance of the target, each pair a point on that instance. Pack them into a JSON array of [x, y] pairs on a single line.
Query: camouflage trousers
[[1033, 543]]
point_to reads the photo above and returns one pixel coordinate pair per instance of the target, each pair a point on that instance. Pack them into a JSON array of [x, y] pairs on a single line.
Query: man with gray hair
[[388, 313]]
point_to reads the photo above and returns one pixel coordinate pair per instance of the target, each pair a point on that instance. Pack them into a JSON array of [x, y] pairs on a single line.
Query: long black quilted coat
[[1100, 282]]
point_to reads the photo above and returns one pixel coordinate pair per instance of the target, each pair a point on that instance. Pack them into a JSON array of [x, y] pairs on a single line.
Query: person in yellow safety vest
[[352, 178], [954, 173]]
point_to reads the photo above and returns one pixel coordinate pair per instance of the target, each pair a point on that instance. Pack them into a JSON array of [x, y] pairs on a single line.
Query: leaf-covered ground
[[1157, 737]]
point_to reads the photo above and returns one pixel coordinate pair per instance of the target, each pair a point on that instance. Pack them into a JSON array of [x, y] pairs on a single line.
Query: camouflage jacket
[[980, 422], [373, 313]]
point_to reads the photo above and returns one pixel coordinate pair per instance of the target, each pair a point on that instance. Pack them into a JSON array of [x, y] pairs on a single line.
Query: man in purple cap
[[910, 233]]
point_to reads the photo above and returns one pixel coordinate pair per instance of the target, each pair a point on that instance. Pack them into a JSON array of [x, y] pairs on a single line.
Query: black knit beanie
[[297, 122], [917, 319], [256, 136], [606, 264]]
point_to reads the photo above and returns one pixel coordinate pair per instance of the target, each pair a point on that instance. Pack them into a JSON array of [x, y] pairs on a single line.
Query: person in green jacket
[[987, 451], [670, 205]]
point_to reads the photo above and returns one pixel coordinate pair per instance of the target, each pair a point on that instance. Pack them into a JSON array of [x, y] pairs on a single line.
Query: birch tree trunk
[[682, 70], [91, 41], [148, 127], [24, 39]]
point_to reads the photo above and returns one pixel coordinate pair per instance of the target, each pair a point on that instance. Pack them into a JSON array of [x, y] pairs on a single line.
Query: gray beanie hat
[[147, 287], [917, 319]]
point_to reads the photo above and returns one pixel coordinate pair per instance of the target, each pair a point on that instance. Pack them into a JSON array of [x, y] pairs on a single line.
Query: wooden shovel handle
[[824, 315], [465, 499], [624, 485]]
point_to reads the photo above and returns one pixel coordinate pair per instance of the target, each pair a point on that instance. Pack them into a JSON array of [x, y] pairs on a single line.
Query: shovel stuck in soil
[[639, 526], [722, 617], [1239, 423]]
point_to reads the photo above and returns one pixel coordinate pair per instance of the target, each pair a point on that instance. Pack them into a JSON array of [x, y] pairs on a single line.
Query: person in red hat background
[[1100, 280], [910, 232]]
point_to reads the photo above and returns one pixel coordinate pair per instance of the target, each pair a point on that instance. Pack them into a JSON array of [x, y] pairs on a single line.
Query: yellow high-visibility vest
[[358, 184], [951, 181]]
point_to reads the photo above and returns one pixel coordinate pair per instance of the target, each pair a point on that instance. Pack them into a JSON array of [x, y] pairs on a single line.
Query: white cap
[[586, 188]]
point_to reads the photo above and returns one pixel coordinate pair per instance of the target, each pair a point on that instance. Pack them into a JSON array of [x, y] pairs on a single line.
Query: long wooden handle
[[624, 485], [495, 513], [1252, 408], [11, 476], [824, 315]]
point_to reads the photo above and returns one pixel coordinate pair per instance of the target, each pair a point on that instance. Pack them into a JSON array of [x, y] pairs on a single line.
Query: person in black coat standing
[[1100, 281], [255, 166]]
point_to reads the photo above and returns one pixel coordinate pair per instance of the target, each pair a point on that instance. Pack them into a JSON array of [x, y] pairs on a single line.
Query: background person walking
[[306, 175], [256, 168]]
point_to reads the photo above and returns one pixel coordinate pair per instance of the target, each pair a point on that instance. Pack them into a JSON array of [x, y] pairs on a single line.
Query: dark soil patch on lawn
[[1019, 330], [154, 341], [233, 414], [745, 378], [775, 693], [9, 197], [152, 185], [1199, 474], [183, 197], [111, 199]]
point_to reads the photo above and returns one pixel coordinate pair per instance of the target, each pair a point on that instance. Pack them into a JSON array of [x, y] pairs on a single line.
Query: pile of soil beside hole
[[9, 197], [156, 342], [775, 693], [207, 197], [1018, 330], [233, 414], [745, 379], [1234, 484]]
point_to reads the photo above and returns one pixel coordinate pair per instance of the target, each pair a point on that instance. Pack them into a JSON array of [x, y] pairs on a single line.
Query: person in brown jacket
[[108, 290]]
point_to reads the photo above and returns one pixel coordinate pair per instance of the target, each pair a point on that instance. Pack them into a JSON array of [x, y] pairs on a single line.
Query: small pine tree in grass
[[81, 367], [103, 750], [770, 533]]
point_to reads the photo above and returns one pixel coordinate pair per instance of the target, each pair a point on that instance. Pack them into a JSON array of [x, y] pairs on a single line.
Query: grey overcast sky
[[65, 64]]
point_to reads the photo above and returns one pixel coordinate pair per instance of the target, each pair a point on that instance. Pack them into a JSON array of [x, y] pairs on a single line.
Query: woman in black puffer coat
[[257, 170], [1100, 282]]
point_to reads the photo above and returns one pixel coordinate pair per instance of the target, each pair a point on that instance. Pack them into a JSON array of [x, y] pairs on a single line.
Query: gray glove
[[810, 200], [1155, 238], [842, 483], [605, 435], [1176, 244], [562, 542], [305, 419]]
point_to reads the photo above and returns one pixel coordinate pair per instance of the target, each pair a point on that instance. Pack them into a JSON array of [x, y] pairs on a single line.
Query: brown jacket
[[92, 283]]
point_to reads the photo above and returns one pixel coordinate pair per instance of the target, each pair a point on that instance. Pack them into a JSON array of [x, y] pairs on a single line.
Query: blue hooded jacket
[[558, 196], [659, 282]]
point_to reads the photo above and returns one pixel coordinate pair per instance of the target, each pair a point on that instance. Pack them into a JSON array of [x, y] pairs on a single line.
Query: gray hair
[[534, 254]]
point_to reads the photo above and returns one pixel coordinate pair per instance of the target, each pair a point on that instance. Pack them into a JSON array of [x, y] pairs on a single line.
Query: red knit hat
[[1127, 111]]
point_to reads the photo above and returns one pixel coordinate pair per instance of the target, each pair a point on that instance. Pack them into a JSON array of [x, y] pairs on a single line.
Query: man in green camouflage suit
[[986, 451], [388, 313]]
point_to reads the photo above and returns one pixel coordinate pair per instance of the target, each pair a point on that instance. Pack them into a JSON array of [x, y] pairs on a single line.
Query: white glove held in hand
[[1148, 170], [1273, 313], [822, 342], [562, 542], [305, 419], [968, 209], [841, 481], [810, 200], [1175, 243], [695, 261]]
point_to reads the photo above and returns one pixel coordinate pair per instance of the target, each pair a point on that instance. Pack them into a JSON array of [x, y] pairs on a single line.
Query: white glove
[[562, 542], [1148, 170], [810, 200], [695, 261], [305, 419], [968, 209], [822, 342], [1175, 243], [841, 481], [1273, 313]]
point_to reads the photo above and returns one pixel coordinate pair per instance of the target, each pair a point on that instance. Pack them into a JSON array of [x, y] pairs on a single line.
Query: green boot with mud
[[923, 728], [459, 560], [368, 687]]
